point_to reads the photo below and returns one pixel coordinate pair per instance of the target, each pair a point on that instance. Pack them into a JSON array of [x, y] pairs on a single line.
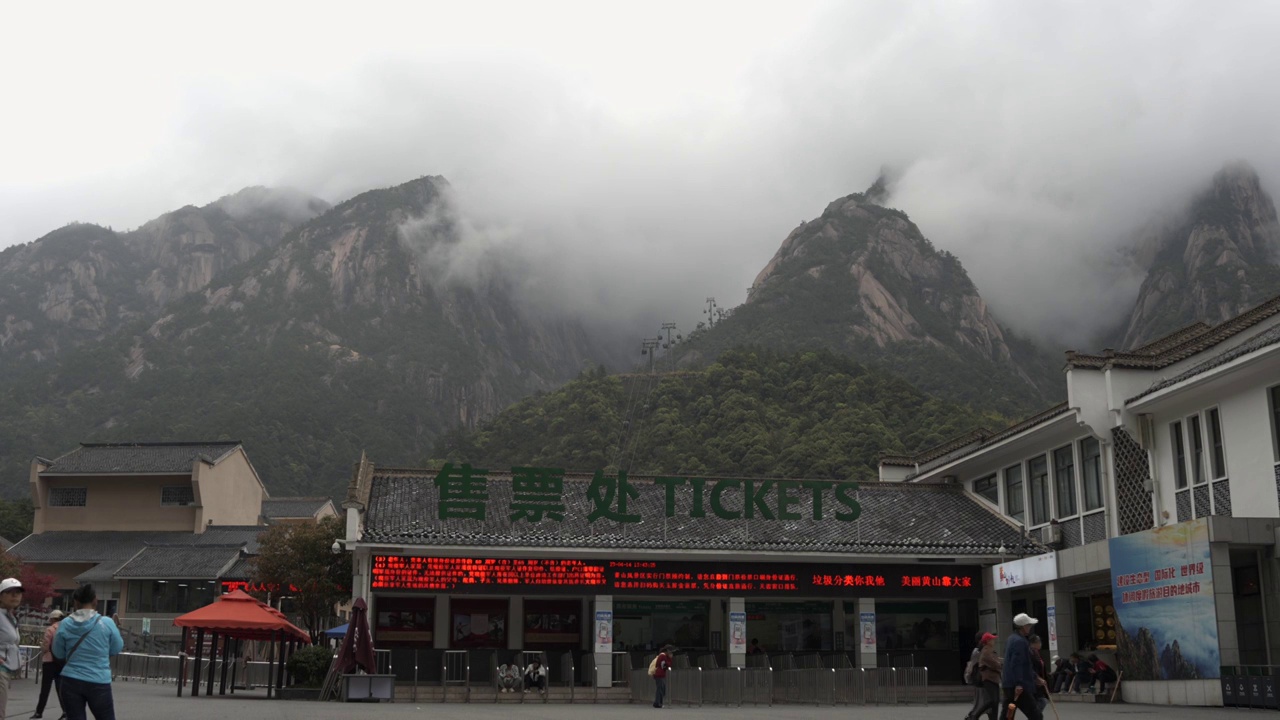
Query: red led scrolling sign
[[551, 576]]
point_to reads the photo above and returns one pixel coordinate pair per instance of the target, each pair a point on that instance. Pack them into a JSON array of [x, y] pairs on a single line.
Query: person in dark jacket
[[989, 664], [1064, 672], [1037, 659], [1019, 676]]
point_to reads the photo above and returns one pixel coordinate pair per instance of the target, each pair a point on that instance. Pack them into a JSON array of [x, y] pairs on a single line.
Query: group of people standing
[[76, 655], [1020, 673]]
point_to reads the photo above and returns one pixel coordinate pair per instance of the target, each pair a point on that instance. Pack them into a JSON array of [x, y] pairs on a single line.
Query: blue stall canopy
[[337, 633]]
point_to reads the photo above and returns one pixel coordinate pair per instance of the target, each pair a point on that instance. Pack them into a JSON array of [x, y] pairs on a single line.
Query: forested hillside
[[752, 412]]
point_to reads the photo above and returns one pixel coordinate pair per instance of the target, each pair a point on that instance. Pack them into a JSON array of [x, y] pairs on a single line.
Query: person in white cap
[[10, 658], [51, 667], [1019, 676]]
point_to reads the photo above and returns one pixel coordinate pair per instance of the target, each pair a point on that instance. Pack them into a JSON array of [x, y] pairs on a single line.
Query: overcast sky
[[660, 151]]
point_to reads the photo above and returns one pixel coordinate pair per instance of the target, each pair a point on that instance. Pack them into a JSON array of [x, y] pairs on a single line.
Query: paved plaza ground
[[135, 701]]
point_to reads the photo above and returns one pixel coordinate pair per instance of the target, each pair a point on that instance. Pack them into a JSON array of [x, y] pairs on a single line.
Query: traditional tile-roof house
[[156, 527]]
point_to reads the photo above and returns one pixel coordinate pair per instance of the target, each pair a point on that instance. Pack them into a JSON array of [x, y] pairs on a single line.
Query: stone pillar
[[1224, 600], [1063, 607], [737, 656], [994, 612], [866, 659], [604, 660], [515, 623], [440, 634]]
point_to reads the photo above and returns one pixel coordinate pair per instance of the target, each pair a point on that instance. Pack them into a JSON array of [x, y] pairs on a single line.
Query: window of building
[[68, 496], [1038, 475], [177, 495], [170, 596], [1179, 455], [1014, 502], [1064, 481], [1217, 453], [1091, 473], [1197, 449], [987, 489]]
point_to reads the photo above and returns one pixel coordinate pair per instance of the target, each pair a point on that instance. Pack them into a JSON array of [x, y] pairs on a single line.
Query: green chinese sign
[[537, 494]]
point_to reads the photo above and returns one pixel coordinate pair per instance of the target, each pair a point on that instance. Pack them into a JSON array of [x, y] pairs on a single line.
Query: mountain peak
[[1218, 259]]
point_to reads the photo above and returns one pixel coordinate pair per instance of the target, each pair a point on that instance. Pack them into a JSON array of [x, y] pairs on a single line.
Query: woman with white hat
[[51, 667], [10, 655]]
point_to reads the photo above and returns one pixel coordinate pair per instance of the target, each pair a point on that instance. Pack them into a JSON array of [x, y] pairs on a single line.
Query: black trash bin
[[1256, 698], [1269, 690], [1242, 691], [1229, 689]]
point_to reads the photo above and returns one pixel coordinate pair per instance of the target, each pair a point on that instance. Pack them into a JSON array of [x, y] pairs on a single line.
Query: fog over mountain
[[642, 157]]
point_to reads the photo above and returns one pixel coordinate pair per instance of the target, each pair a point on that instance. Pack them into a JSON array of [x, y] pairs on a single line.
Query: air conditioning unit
[[1146, 432], [1052, 534]]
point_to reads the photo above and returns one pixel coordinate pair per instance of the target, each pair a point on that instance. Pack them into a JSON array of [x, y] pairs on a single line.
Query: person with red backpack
[[658, 669]]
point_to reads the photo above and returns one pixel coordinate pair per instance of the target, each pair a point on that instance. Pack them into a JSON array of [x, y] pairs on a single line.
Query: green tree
[[299, 560]]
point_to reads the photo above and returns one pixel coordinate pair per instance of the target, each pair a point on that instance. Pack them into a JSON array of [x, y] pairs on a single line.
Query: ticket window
[[647, 625], [552, 624], [790, 626], [405, 622], [913, 625], [476, 623]]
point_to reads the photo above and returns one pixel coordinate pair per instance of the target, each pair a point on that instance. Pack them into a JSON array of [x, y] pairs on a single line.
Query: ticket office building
[[898, 583]]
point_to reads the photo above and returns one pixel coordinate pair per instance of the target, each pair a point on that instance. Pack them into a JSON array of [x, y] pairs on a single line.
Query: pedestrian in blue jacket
[[1019, 677], [86, 641]]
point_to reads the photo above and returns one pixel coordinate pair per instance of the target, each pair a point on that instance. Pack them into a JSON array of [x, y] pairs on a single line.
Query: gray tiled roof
[[132, 458], [972, 442], [242, 569], [1257, 342], [99, 545], [293, 507], [896, 519], [196, 562], [102, 572], [1176, 347]]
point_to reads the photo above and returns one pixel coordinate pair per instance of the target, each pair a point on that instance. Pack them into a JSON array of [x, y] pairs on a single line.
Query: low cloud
[[630, 164]]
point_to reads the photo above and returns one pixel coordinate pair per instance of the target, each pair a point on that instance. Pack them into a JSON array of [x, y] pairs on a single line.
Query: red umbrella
[[357, 646]]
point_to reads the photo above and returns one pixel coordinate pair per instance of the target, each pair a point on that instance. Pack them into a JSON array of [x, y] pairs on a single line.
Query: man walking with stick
[[1019, 677]]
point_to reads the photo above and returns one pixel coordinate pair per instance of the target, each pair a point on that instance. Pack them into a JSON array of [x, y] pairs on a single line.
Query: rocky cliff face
[[81, 283], [357, 331], [1216, 260], [863, 280], [905, 290]]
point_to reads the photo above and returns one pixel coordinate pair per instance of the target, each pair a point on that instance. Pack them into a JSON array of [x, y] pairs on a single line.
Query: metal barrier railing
[[759, 660], [455, 669], [913, 684], [707, 662], [812, 685], [809, 660], [568, 672], [783, 661], [722, 686], [622, 668], [643, 687], [684, 686]]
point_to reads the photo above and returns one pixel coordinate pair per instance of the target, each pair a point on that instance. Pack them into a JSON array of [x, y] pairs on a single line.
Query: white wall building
[[1185, 427]]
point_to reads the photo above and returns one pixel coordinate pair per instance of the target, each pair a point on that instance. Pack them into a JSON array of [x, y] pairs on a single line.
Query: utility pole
[[670, 344], [649, 347], [710, 312]]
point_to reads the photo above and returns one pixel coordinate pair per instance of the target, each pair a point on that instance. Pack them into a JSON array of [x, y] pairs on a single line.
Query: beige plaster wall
[[228, 493], [125, 502]]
